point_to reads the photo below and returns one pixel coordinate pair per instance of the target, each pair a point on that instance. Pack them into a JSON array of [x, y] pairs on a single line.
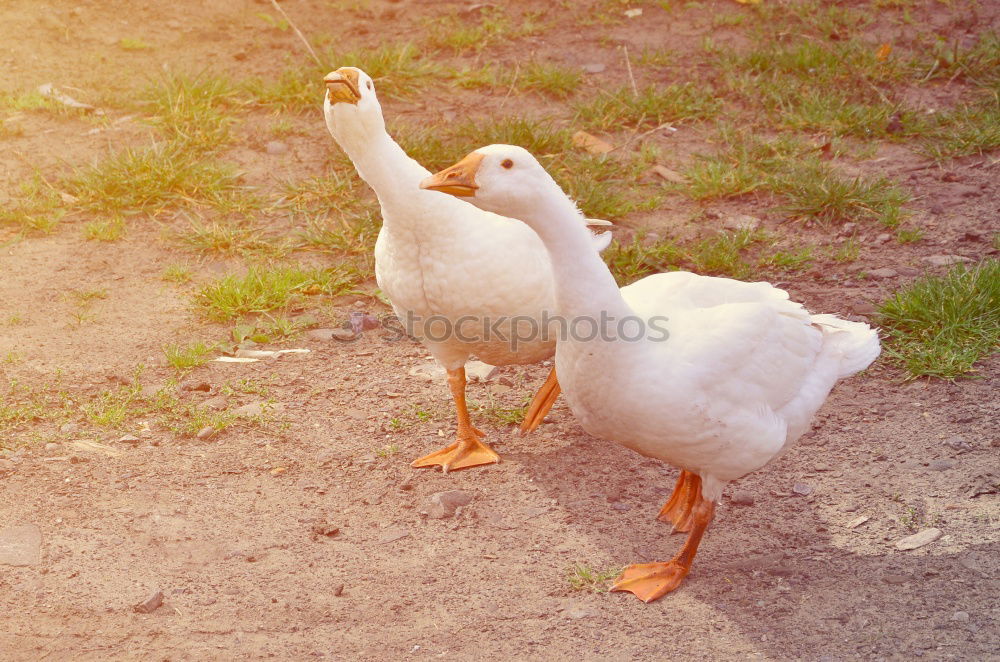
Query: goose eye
[[507, 163], [369, 84]]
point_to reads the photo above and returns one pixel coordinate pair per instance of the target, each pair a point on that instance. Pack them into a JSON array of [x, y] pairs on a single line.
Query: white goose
[[464, 281], [712, 375]]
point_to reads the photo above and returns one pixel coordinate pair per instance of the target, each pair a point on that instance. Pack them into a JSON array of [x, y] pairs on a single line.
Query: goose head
[[503, 179], [350, 107]]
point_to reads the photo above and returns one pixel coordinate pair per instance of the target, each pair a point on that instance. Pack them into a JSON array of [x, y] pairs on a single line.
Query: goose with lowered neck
[[722, 377], [464, 281]]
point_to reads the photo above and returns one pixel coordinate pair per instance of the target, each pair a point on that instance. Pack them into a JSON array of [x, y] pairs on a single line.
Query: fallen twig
[[298, 32], [628, 66]]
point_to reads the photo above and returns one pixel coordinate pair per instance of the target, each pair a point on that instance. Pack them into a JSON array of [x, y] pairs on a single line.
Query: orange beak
[[342, 86], [458, 180]]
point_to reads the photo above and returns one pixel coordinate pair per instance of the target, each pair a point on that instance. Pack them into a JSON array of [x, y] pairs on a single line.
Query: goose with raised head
[[465, 282], [715, 376]]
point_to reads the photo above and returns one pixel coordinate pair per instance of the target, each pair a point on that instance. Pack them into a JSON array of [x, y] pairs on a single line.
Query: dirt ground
[[311, 538]]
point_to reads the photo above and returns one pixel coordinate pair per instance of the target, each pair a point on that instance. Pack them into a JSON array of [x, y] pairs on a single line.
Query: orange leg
[[467, 450], [651, 581], [540, 406], [677, 510]]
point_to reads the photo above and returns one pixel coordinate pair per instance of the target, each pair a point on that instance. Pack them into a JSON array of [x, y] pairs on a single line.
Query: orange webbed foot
[[651, 581], [467, 451]]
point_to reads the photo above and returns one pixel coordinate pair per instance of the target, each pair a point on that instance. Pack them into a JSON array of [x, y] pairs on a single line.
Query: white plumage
[[737, 379], [442, 262]]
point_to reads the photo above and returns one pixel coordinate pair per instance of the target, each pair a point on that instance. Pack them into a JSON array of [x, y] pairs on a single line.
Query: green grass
[[909, 235], [849, 251], [34, 102], [176, 273], [151, 180], [111, 229], [652, 106], [813, 190], [965, 130], [459, 34], [186, 358], [336, 193], [978, 64], [263, 289], [741, 254], [195, 111], [132, 44], [36, 208], [231, 237], [939, 326], [399, 70], [806, 186], [582, 577], [550, 79], [342, 234]]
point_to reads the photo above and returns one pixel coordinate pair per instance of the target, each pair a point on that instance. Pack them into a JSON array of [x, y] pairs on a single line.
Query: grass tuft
[[582, 577], [193, 111], [150, 180], [111, 229], [265, 289], [654, 105], [939, 326], [184, 359]]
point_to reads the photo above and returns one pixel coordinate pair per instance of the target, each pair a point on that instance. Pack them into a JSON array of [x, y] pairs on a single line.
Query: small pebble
[[51, 447], [741, 498], [958, 443], [150, 604], [941, 465], [919, 539], [802, 489], [275, 147], [961, 616]]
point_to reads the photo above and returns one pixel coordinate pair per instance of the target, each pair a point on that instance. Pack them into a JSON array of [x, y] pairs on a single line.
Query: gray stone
[[393, 534], [322, 335], [275, 147], [941, 465], [21, 545], [741, 498], [251, 410], [343, 335], [578, 612], [884, 272], [919, 539], [594, 67], [945, 260], [958, 443], [206, 432], [882, 238], [150, 604], [69, 428], [443, 505], [216, 403], [961, 616], [802, 489], [741, 222], [621, 507]]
